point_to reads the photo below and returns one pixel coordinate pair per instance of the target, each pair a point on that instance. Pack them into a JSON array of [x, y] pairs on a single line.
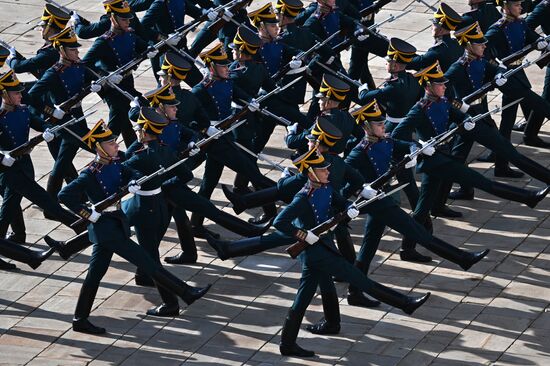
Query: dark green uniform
[[446, 50], [486, 14]]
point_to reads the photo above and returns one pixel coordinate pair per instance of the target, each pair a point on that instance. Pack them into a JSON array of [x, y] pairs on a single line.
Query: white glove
[[7, 160], [133, 186], [211, 14], [330, 60], [352, 212], [152, 53], [500, 80], [368, 192], [311, 238], [469, 125], [115, 78], [58, 113], [211, 131], [172, 40], [253, 106], [542, 44], [47, 135], [13, 52], [286, 173], [411, 164], [294, 64], [464, 107], [134, 103], [95, 88], [292, 129], [94, 216], [363, 87], [429, 151], [75, 17], [360, 34], [194, 149], [227, 15]]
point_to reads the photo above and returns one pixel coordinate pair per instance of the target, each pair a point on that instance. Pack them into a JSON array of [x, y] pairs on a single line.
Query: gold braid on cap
[[65, 36], [146, 124], [305, 164], [4, 82], [290, 10], [208, 57], [159, 98], [444, 19], [178, 72], [371, 110], [397, 55], [465, 37], [91, 137], [339, 94], [243, 46], [49, 18], [425, 76], [111, 8], [322, 136], [259, 16]]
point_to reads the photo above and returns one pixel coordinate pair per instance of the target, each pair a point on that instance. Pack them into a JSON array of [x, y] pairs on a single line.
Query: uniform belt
[[394, 120], [516, 63], [153, 192]]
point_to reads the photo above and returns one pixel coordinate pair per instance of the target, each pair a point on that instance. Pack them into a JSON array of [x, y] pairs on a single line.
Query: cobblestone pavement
[[495, 314]]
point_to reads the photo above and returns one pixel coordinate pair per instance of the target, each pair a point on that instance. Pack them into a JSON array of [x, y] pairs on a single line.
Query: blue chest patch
[[221, 92], [438, 114], [380, 154], [320, 200], [176, 10], [171, 135], [272, 54], [476, 72], [15, 126], [331, 25], [123, 46], [109, 178], [72, 79], [515, 35]]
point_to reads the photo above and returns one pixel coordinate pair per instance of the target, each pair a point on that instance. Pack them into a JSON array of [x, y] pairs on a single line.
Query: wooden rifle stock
[[80, 224], [26, 147], [69, 103]]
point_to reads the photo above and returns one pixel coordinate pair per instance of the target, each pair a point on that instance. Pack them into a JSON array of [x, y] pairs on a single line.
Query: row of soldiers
[[352, 140]]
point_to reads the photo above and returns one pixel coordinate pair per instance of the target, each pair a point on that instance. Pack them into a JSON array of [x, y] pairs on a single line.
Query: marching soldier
[[510, 34], [313, 205], [468, 74], [112, 50], [59, 83], [53, 21], [484, 12], [17, 252], [109, 230], [430, 117], [446, 50], [216, 93], [332, 93]]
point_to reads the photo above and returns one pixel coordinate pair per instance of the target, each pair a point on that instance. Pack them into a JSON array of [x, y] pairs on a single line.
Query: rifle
[[236, 5], [260, 156], [487, 87], [345, 44], [432, 8], [374, 8], [81, 223], [524, 51], [339, 74], [283, 121], [19, 56], [295, 249], [29, 145], [302, 55], [83, 20], [239, 115]]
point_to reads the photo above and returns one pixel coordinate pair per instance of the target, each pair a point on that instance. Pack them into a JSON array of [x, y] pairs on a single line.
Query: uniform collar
[[104, 160], [8, 107]]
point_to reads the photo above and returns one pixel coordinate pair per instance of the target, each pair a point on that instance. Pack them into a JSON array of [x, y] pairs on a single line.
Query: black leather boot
[[532, 168], [185, 292], [288, 346], [344, 242], [239, 226], [237, 248], [536, 142], [503, 170], [24, 255], [250, 200], [462, 193], [188, 255], [18, 234], [71, 246], [356, 296], [453, 254], [143, 280], [391, 297], [527, 197], [54, 186], [490, 157], [330, 324], [83, 309], [165, 310], [199, 231], [270, 211]]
